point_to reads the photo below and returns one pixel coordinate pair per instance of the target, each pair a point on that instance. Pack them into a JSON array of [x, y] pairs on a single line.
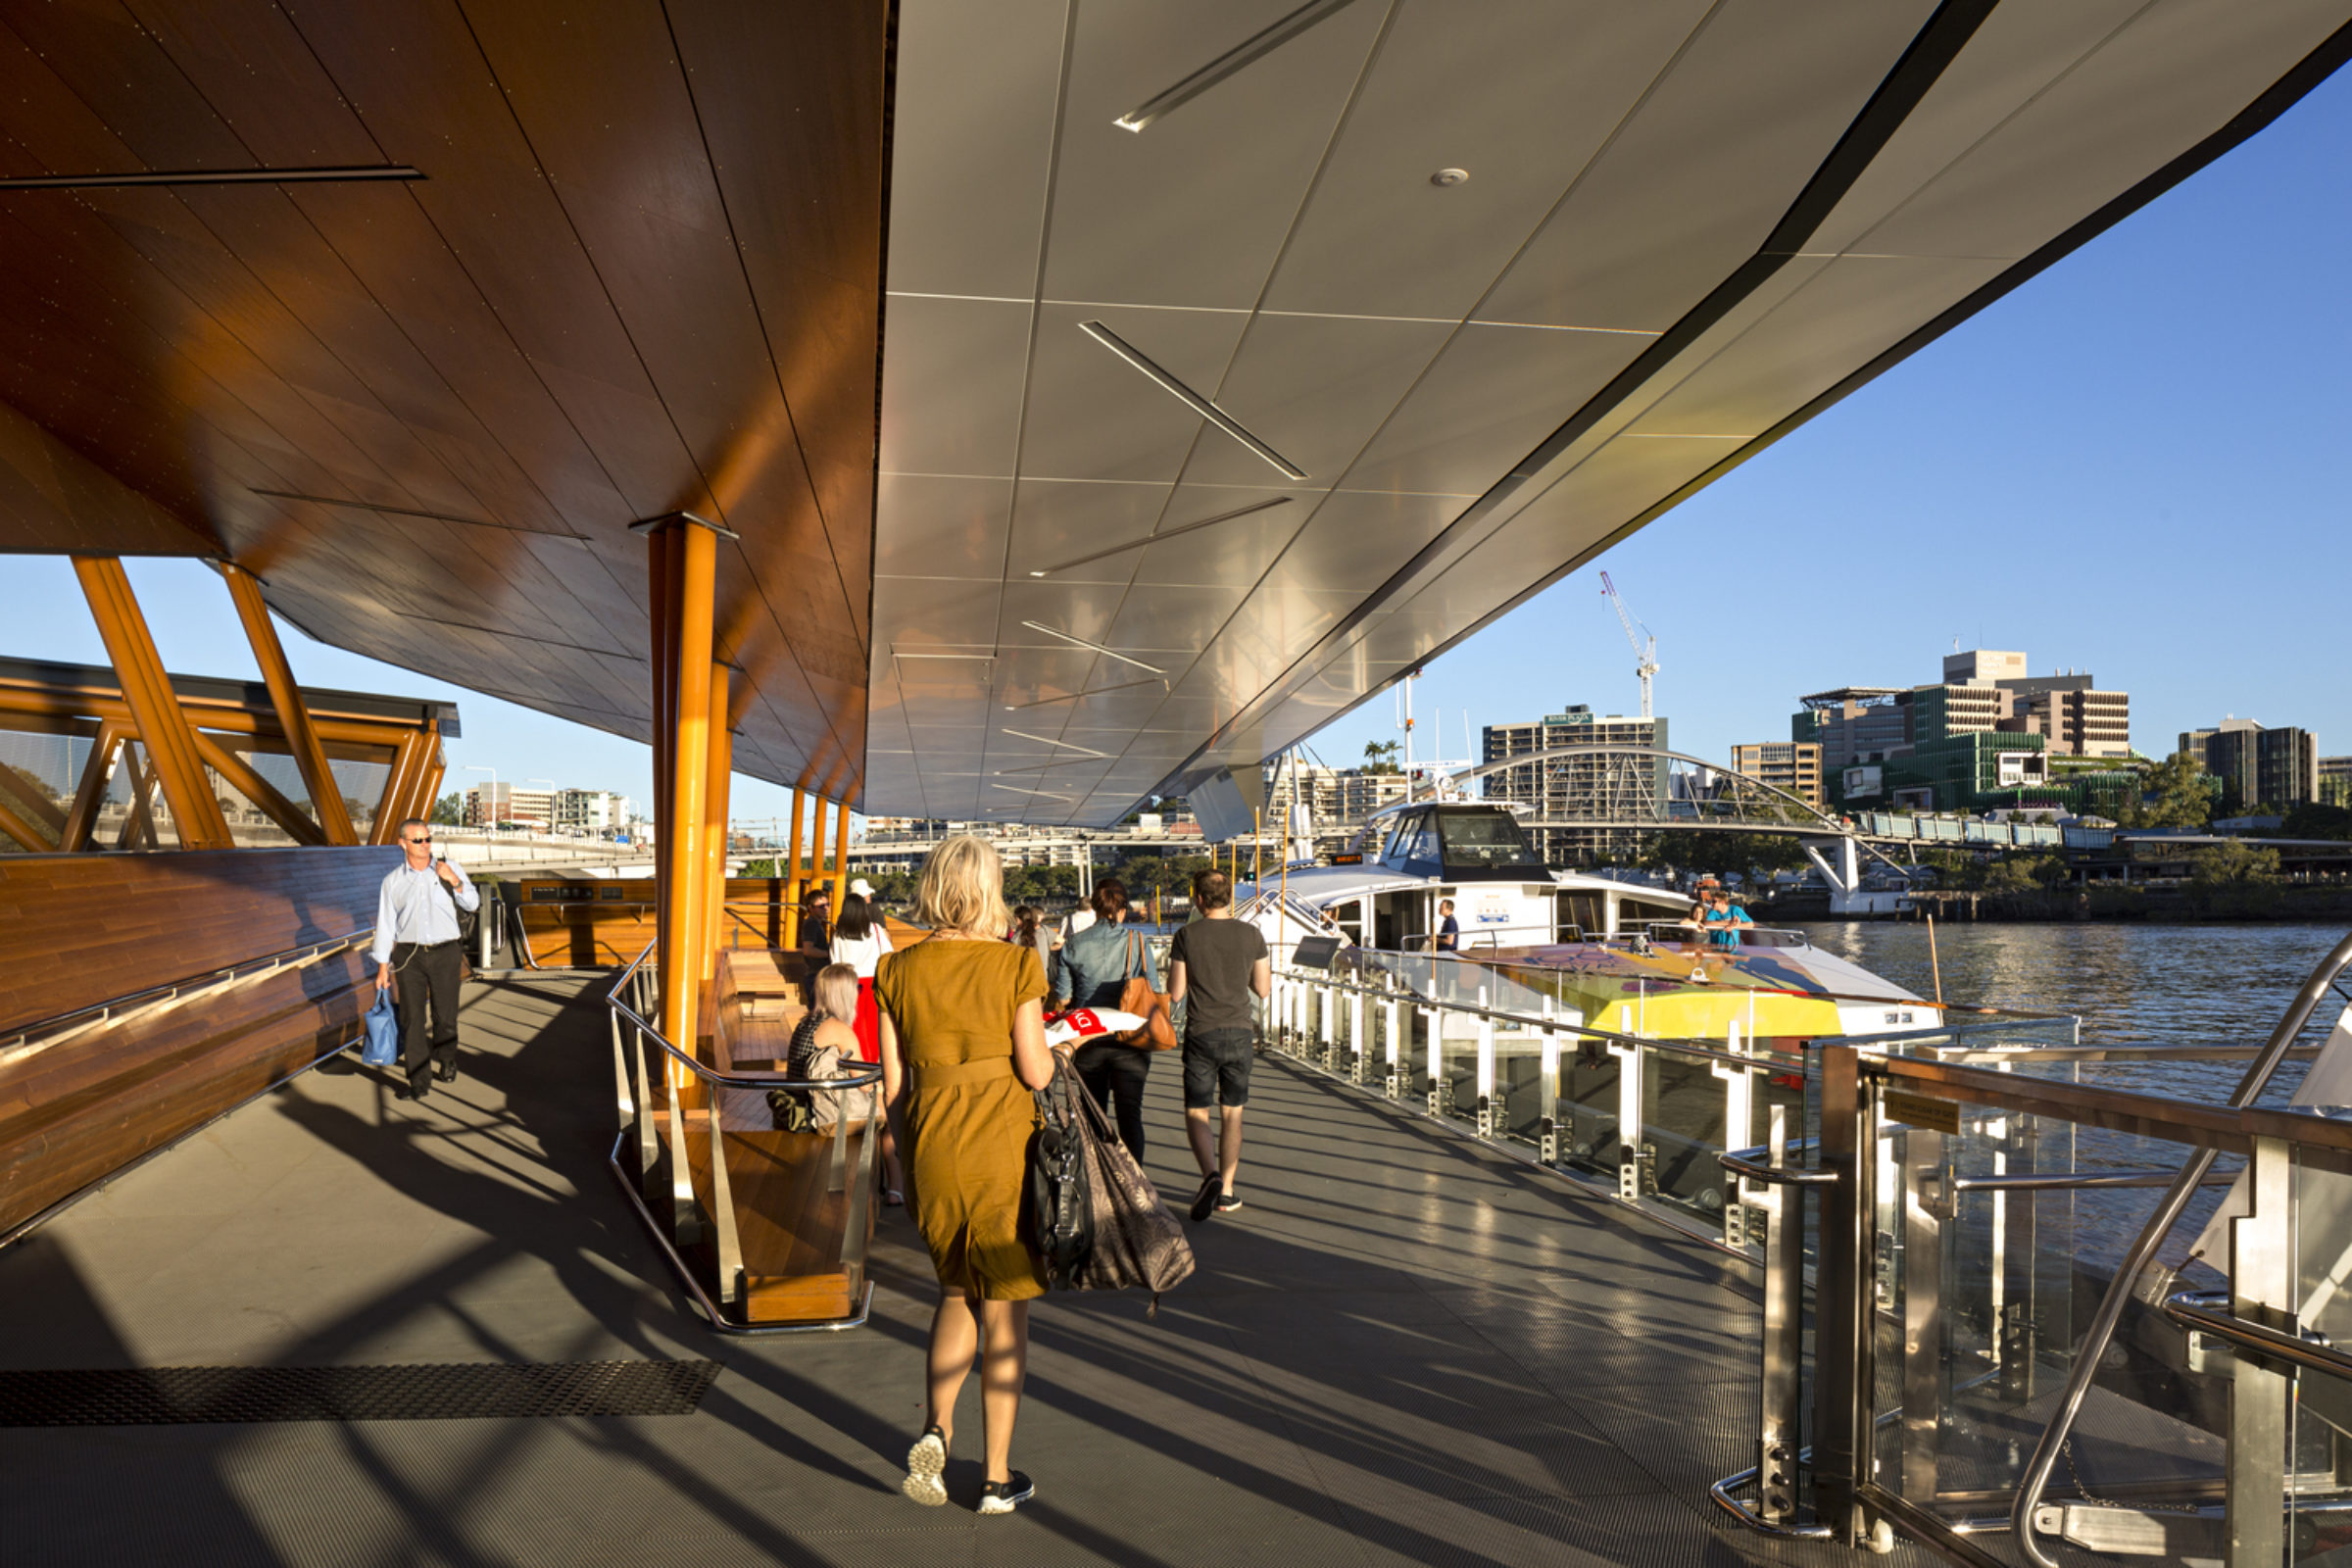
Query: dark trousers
[[1112, 1073], [426, 974]]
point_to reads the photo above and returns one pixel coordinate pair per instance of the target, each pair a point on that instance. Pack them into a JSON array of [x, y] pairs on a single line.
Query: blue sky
[[2133, 465]]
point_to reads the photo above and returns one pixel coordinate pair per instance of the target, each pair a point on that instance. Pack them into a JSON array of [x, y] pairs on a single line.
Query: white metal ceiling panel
[[951, 375], [1707, 165], [1092, 416], [944, 527], [1516, 94], [1316, 389], [973, 145], [1192, 210]]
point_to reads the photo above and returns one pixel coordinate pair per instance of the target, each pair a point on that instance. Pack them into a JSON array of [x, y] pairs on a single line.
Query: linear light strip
[[1188, 398], [1169, 533], [1047, 793], [1046, 740], [1244, 53], [1046, 702], [353, 173], [1107, 653]]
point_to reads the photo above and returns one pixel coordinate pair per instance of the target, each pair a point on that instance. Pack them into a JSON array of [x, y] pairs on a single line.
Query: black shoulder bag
[[1061, 1193]]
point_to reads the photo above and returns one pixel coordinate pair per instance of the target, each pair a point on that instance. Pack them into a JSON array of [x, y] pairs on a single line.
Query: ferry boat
[[1619, 956]]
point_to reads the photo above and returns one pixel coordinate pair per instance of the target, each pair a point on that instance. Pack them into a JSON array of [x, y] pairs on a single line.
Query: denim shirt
[[1095, 964]]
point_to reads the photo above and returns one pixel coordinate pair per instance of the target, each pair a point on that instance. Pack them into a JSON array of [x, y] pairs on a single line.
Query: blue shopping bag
[[383, 1033]]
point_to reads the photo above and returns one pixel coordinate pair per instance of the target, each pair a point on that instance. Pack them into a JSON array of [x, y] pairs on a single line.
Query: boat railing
[[1687, 933], [662, 1088]]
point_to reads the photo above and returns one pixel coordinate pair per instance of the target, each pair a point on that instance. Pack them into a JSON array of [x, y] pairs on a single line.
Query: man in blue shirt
[[417, 937]]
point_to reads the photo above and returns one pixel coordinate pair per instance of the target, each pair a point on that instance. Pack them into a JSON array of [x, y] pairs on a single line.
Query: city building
[[1852, 725], [1952, 774], [2275, 769], [1866, 731], [591, 813], [2336, 780], [1791, 765], [1337, 797], [490, 804], [1600, 786], [2195, 742]]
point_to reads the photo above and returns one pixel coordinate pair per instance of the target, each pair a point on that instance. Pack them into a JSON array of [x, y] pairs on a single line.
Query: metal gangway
[[2017, 1303]]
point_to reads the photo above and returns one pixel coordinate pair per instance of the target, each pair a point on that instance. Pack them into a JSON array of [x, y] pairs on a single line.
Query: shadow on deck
[[1406, 1350]]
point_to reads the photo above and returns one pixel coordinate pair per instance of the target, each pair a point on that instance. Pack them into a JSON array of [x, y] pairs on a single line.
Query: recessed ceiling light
[[1072, 696], [1450, 177], [1188, 398], [1168, 533], [1081, 642], [1048, 739], [1247, 52]]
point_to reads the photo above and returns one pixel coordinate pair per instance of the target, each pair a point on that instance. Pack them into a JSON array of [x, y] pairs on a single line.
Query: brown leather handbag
[[1158, 1031]]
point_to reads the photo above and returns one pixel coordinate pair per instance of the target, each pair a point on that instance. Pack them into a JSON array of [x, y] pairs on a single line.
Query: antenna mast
[[1644, 646]]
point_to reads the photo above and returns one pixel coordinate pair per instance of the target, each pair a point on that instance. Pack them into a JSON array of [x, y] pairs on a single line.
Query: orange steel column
[[407, 761], [660, 551], [164, 728], [791, 937], [841, 856], [714, 831], [326, 796], [683, 850]]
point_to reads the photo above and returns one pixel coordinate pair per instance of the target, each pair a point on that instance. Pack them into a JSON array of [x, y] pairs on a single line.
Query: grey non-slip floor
[[1406, 1350]]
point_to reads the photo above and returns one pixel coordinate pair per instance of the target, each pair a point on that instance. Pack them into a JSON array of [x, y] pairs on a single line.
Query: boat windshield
[[1484, 840]]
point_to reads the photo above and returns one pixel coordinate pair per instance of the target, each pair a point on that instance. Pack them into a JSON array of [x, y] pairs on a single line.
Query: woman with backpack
[[824, 1045], [860, 939]]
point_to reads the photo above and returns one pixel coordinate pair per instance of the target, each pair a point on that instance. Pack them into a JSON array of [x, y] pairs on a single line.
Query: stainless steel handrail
[[2056, 1182], [1756, 1164], [102, 1011], [2144, 1252], [2311, 1350]]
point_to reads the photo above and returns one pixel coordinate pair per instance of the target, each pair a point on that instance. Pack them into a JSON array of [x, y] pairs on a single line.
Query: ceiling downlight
[[1190, 399], [1166, 533], [1238, 58]]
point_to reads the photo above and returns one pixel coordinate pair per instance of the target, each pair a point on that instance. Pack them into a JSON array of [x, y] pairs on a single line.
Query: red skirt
[[869, 1023]]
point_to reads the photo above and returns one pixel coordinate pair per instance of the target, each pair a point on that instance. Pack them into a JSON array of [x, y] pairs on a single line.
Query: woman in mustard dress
[[963, 1043]]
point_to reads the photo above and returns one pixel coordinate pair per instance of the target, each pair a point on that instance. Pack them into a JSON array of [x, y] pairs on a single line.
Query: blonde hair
[[836, 992], [963, 888]]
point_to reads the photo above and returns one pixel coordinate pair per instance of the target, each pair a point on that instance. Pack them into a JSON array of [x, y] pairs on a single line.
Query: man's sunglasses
[[428, 839]]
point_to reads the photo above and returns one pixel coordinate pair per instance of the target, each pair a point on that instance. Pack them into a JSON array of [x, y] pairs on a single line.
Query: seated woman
[[860, 939]]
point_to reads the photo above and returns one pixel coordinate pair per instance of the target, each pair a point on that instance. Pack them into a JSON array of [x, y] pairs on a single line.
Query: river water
[[2172, 985]]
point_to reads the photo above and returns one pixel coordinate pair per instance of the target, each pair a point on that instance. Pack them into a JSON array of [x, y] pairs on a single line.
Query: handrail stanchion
[[1845, 1311], [1778, 1436], [1355, 1035], [722, 1209], [1632, 1059], [1485, 1068], [1548, 1090], [1392, 1013], [681, 1175], [1738, 1117], [1435, 1060], [649, 1147]]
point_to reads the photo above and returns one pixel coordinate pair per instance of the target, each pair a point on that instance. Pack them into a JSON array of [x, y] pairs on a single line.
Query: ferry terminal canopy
[[412, 308]]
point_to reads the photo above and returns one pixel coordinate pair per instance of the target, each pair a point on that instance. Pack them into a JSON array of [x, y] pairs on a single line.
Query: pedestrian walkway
[[1406, 1350]]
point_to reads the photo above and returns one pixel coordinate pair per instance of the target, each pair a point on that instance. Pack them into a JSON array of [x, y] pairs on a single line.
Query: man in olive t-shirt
[[1216, 965]]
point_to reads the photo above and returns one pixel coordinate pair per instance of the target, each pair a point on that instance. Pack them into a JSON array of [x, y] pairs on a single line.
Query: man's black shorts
[[1217, 1067]]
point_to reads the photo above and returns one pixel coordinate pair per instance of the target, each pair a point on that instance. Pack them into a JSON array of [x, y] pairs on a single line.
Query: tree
[[2173, 793], [1380, 757], [2232, 864], [2023, 873], [450, 811], [2315, 819]]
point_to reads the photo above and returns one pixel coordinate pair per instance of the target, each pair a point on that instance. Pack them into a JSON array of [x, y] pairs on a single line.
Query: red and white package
[[1081, 1024]]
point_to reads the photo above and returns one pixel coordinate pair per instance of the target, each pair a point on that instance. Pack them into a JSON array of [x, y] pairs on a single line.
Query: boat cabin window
[[1485, 841], [1420, 847]]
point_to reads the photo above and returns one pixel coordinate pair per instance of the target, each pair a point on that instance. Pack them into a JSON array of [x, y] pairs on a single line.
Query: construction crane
[[1644, 646]]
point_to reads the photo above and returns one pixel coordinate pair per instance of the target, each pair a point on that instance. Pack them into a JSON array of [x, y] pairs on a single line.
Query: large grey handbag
[[1138, 1242]]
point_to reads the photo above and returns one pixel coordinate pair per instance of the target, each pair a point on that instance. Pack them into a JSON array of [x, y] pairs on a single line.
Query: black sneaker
[[1003, 1496], [1205, 1199], [1227, 1203], [924, 1463], [445, 1072], [417, 1089]]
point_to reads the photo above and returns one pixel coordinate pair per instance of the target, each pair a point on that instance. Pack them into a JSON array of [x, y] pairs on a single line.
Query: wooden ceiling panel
[[427, 412]]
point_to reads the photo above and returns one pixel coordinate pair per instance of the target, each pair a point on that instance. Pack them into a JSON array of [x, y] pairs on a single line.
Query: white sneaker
[[924, 1463]]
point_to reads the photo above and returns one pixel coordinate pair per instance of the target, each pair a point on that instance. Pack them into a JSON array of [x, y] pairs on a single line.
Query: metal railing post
[[1547, 1092], [2262, 1290], [1485, 1069], [1738, 1114], [1778, 1437], [1846, 1275], [1924, 1198], [1434, 1059], [1392, 1013], [722, 1210], [1355, 1035], [1630, 1060]]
